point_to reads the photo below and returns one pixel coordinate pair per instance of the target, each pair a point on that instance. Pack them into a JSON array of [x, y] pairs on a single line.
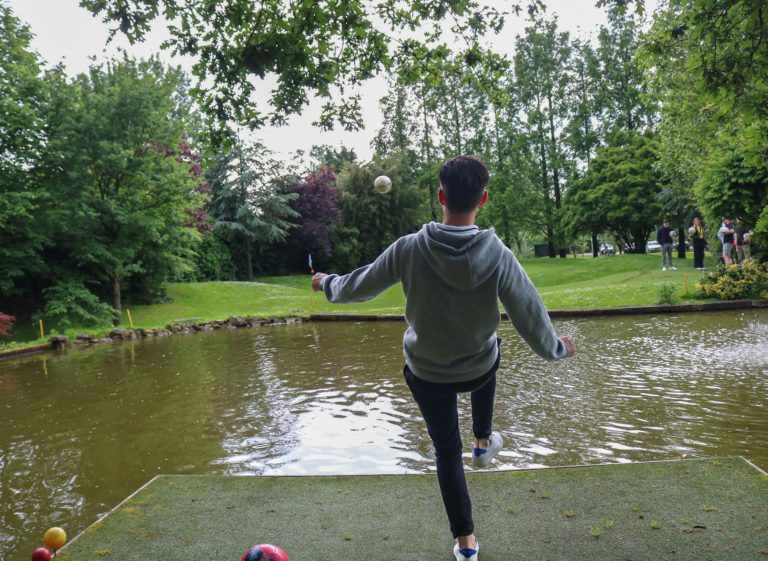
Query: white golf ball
[[382, 184]]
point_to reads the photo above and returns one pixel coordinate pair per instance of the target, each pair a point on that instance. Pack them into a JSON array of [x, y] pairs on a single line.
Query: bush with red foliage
[[318, 205], [5, 324]]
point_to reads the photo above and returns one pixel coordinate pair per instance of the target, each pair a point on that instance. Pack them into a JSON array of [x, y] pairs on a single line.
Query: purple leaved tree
[[318, 204], [198, 217]]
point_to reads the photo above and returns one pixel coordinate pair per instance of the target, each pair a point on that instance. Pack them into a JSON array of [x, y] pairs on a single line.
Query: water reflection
[[82, 430]]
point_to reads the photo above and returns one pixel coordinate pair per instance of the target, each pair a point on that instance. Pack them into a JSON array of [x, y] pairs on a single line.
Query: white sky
[[65, 32]]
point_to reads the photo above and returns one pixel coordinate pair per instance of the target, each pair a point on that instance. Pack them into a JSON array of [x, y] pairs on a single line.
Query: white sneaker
[[481, 457], [467, 553], [673, 268], [663, 268]]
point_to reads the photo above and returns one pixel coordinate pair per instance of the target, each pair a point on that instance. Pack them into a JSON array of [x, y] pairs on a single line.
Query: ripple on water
[[296, 400]]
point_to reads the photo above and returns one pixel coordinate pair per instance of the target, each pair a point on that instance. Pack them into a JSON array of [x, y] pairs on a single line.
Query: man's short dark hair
[[463, 179]]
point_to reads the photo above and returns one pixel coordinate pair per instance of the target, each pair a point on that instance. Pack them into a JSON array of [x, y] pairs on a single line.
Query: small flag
[[311, 268]]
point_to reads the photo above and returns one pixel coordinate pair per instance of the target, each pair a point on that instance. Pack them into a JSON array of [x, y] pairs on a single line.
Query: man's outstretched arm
[[361, 284]]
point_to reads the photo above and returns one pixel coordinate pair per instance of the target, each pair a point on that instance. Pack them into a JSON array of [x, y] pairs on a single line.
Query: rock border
[[60, 342]]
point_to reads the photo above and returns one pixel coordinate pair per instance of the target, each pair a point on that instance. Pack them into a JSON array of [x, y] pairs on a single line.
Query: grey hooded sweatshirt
[[453, 279]]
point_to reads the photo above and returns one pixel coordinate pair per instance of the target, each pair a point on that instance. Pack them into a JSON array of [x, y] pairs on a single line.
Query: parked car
[[606, 249], [652, 247]]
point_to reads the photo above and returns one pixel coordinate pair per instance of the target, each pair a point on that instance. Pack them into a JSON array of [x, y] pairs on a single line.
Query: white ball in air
[[382, 184]]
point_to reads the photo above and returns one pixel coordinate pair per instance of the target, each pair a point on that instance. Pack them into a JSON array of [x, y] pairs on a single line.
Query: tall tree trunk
[[427, 156], [545, 190], [116, 300], [681, 243], [499, 157], [555, 173], [457, 124], [595, 249], [249, 259]]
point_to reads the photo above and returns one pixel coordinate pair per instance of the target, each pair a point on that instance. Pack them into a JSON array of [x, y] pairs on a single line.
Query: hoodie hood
[[463, 259]]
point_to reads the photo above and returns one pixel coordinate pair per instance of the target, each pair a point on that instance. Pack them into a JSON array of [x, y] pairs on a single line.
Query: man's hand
[[568, 342], [316, 280]]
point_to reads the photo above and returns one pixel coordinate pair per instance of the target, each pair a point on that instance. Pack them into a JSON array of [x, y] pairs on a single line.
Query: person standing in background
[[699, 243], [727, 236], [743, 240], [664, 237]]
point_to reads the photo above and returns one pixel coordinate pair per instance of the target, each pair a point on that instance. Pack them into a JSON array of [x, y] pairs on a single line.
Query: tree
[[400, 121], [734, 181], [317, 204], [328, 156], [619, 192], [583, 211], [622, 88], [582, 133], [377, 220], [708, 60], [325, 48], [249, 207], [23, 96], [125, 195], [541, 80], [725, 46]]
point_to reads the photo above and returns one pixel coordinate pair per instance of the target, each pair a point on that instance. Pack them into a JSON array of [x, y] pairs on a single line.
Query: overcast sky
[[65, 32]]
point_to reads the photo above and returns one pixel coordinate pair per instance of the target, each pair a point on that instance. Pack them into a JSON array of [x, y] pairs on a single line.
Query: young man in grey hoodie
[[453, 275]]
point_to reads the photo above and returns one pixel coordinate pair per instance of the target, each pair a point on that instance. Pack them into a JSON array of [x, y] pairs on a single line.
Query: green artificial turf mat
[[689, 510]]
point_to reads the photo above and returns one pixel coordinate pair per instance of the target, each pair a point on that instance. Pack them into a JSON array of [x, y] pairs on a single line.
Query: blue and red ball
[[265, 552]]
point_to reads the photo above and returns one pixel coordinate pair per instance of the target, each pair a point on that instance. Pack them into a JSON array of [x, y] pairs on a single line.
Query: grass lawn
[[584, 282]]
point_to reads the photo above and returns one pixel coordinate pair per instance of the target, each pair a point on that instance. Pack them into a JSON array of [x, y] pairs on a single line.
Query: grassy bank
[[625, 280], [583, 282]]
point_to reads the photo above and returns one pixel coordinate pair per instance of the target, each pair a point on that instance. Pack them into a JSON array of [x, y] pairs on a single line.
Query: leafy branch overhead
[[323, 48]]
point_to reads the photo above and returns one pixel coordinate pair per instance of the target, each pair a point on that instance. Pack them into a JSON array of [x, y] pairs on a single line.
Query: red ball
[[41, 554], [265, 552]]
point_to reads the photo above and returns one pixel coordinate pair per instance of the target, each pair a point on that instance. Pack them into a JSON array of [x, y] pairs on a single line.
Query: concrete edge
[[21, 351], [655, 309], [111, 511], [430, 474], [751, 463]]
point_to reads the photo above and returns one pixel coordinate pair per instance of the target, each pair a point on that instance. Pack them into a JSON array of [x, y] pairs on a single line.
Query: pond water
[[82, 430]]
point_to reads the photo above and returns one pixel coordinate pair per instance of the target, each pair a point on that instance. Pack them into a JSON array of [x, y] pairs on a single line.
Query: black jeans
[[698, 253], [438, 405]]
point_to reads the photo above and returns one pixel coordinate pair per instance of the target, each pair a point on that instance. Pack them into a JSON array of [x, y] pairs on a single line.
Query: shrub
[[70, 304], [667, 294], [734, 282], [212, 262], [5, 324]]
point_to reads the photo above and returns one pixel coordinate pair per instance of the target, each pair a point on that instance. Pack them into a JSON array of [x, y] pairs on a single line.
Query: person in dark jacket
[[664, 236], [699, 237]]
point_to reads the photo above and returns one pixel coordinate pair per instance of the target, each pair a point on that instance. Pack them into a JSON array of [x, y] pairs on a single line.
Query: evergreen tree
[[249, 206]]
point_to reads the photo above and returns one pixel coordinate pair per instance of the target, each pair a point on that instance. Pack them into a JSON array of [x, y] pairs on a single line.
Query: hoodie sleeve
[[527, 312], [366, 282]]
